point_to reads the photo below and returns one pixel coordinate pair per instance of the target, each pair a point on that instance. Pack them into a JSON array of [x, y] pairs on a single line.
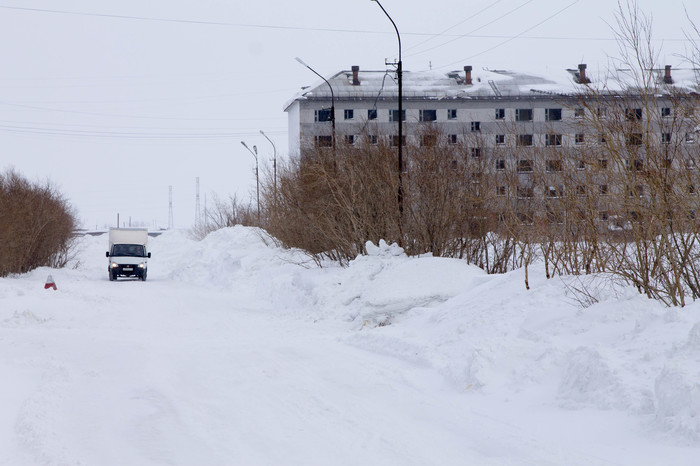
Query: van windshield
[[129, 250]]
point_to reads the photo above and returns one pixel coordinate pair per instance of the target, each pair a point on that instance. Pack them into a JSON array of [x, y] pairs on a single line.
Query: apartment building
[[549, 132]]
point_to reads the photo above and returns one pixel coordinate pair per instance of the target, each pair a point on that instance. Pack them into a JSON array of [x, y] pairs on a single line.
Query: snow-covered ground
[[236, 352]]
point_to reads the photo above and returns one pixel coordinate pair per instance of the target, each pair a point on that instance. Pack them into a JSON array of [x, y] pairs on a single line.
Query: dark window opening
[[394, 115], [322, 115], [552, 114], [425, 115], [524, 139], [324, 141], [523, 114]]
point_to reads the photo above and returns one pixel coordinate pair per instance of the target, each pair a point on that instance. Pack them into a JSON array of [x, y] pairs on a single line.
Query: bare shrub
[[226, 213], [36, 225]]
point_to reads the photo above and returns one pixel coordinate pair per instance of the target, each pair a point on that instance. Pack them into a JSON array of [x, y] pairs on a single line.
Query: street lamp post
[[257, 178], [332, 100], [399, 73], [274, 163]]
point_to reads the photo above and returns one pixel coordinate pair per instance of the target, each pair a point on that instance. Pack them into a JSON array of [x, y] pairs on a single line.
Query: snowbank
[[623, 358]]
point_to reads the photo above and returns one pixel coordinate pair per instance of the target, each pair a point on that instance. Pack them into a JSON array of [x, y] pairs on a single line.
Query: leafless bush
[[226, 213], [36, 225]]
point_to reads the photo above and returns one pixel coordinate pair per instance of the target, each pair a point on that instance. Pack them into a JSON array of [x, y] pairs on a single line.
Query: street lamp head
[[301, 61], [255, 149], [244, 144]]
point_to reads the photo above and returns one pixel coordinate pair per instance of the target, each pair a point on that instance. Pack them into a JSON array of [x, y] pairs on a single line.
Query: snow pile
[[483, 333], [500, 374]]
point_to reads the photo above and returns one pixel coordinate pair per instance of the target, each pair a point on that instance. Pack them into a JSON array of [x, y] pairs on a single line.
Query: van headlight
[[142, 265], [114, 265]]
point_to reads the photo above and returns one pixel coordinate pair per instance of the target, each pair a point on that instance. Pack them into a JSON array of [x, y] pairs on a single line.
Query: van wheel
[[143, 276]]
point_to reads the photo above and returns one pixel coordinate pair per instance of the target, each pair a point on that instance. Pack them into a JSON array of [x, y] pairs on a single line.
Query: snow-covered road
[[210, 362]]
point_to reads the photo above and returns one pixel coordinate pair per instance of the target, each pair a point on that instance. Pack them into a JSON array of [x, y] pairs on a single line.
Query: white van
[[128, 253]]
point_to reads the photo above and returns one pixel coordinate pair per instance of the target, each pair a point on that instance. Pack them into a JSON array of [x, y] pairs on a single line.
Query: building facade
[[537, 139]]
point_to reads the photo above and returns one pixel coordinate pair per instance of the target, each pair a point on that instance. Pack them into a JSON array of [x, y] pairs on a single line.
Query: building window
[[372, 114], [373, 140], [666, 112], [452, 114], [552, 114], [349, 114], [689, 138], [395, 140], [691, 189], [552, 139], [394, 115], [428, 140], [500, 139], [579, 112], [524, 140], [500, 190], [602, 138], [634, 139], [603, 164], [475, 152], [580, 190], [602, 113], [524, 192], [635, 164], [580, 164], [666, 138], [603, 216], [633, 113], [524, 166], [553, 192], [579, 138], [553, 165], [324, 141], [525, 218], [500, 114], [425, 115], [500, 164], [322, 115], [349, 139], [452, 138], [476, 126], [603, 189], [523, 114]]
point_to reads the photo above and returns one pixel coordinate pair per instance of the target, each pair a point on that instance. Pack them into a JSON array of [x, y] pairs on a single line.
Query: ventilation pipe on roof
[[667, 75], [582, 78], [467, 74], [355, 75]]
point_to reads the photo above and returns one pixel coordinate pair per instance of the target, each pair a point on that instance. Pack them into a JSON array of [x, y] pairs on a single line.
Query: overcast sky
[[115, 102]]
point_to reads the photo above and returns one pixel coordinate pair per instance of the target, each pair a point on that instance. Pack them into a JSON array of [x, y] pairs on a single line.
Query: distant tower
[[197, 212], [170, 207]]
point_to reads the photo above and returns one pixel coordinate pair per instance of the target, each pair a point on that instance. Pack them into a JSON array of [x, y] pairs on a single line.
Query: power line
[[306, 28], [475, 30], [121, 135], [513, 37], [441, 33]]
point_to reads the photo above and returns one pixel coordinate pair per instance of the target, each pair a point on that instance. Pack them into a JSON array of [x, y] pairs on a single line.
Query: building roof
[[485, 83]]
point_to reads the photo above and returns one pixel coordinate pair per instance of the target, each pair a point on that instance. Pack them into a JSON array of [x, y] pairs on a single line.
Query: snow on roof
[[486, 83]]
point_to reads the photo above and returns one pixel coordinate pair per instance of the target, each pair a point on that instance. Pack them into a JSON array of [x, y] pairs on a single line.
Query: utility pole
[[170, 207], [197, 212]]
